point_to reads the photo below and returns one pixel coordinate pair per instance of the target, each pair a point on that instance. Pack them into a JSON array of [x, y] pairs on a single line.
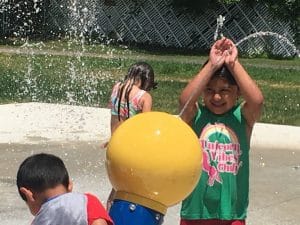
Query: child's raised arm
[[250, 92], [191, 93]]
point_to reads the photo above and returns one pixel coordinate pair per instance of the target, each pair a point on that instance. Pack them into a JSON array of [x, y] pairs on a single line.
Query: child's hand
[[216, 55], [230, 52]]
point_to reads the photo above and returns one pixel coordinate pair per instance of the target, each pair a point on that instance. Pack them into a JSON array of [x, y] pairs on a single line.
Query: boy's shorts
[[212, 222]]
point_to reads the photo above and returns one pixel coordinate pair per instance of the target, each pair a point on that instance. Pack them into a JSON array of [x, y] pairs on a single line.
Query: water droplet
[[262, 164], [132, 207], [296, 167], [157, 217]]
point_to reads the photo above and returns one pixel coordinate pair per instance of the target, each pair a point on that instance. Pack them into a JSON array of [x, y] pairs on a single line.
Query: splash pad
[[31, 86], [274, 164]]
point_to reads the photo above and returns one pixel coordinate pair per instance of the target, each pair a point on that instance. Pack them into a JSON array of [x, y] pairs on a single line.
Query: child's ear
[[34, 203], [70, 186], [138, 82], [28, 194]]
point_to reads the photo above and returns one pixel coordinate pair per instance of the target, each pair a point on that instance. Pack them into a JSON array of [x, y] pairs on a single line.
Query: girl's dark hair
[[138, 71], [144, 72], [40, 172], [224, 73]]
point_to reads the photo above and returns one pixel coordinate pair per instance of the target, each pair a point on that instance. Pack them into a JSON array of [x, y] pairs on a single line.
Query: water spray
[[218, 35], [279, 37]]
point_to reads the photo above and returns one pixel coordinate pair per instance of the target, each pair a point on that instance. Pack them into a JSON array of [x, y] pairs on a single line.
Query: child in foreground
[[224, 128], [43, 183]]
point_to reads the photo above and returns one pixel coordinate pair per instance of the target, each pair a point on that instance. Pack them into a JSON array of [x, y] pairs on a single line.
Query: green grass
[[87, 80]]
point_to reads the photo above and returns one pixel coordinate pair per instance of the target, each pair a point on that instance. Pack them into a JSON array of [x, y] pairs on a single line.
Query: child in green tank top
[[224, 129]]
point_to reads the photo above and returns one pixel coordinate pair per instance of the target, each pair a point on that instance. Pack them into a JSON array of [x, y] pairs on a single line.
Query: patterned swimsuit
[[134, 106]]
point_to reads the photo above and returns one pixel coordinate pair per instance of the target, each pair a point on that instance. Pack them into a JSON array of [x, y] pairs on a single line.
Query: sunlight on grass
[[87, 79]]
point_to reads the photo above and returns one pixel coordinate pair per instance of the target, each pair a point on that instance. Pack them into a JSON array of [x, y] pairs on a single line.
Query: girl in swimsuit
[[130, 97]]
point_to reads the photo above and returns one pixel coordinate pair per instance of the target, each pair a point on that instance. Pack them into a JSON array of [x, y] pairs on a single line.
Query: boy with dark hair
[[224, 126], [43, 183]]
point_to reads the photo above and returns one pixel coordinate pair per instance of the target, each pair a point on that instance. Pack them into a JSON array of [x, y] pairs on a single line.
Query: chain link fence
[[148, 22]]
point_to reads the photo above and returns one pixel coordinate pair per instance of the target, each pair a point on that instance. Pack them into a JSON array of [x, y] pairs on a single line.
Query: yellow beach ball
[[154, 159]]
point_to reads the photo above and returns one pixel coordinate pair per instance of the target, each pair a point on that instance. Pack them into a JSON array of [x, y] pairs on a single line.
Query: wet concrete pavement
[[274, 178], [274, 181]]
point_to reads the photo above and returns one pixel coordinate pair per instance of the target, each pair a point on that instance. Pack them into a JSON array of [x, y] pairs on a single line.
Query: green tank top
[[223, 189]]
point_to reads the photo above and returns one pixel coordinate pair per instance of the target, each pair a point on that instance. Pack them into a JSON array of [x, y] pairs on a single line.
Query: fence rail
[[149, 22]]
